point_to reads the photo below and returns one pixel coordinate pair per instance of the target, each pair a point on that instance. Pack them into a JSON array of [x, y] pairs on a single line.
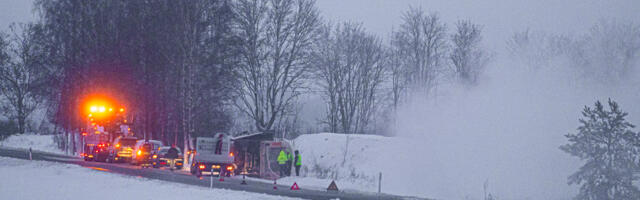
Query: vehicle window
[[127, 142], [163, 151], [145, 148]]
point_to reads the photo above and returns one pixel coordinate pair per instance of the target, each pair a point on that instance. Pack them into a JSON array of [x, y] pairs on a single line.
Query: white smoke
[[507, 130]]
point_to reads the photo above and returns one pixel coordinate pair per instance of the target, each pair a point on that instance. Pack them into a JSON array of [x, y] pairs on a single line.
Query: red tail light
[[201, 166], [229, 168]]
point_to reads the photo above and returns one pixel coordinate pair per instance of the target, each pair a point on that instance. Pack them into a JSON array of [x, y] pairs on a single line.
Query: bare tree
[[350, 63], [22, 76], [421, 41], [467, 57], [276, 39], [609, 52]]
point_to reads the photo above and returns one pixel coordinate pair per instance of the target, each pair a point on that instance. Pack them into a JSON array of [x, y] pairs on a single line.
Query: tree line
[[187, 68]]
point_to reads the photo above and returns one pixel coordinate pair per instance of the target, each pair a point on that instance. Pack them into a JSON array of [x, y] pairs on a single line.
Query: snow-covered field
[[23, 179], [367, 156], [36, 142]]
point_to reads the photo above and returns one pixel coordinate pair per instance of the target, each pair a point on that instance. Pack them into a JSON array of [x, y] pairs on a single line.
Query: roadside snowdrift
[[36, 142], [49, 180], [367, 156]]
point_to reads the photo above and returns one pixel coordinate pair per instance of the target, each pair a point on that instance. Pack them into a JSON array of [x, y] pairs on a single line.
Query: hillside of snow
[[36, 142], [323, 160]]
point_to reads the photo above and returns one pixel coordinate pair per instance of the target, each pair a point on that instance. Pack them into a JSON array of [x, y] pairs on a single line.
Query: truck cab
[[213, 154], [122, 149]]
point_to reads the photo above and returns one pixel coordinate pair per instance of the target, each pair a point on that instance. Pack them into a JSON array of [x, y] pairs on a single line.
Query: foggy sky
[[15, 11], [500, 18]]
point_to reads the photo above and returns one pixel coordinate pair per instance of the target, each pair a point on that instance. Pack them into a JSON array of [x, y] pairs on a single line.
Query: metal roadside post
[[30, 154], [211, 185], [379, 182]]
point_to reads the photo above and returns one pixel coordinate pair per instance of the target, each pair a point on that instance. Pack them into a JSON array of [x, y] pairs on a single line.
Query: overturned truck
[[257, 153]]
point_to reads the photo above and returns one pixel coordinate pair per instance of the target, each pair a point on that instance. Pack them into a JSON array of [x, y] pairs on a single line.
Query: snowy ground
[[367, 156], [36, 142], [23, 179]]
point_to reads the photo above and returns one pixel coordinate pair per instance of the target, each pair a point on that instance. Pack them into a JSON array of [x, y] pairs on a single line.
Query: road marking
[[99, 169]]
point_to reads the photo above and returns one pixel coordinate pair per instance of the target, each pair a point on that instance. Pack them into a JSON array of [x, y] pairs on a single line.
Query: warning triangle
[[332, 186], [295, 186]]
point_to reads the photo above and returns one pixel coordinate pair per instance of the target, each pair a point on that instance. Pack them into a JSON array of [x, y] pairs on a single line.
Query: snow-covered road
[[23, 179]]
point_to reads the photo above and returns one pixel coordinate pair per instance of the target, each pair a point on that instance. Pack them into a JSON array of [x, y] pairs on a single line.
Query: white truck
[[213, 154]]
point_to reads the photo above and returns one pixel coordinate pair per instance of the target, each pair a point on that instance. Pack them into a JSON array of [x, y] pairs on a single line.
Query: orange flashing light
[[121, 109], [118, 145], [155, 156], [230, 154], [201, 166], [229, 168], [139, 152]]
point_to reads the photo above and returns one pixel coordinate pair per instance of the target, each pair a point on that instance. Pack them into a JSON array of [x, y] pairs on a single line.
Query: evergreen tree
[[611, 151]]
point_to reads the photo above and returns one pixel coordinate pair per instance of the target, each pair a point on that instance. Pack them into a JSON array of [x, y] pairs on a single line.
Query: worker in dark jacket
[[298, 163], [172, 155], [219, 144], [289, 162]]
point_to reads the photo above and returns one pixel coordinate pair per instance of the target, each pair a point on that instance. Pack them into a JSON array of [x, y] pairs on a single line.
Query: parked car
[[138, 151], [160, 159]]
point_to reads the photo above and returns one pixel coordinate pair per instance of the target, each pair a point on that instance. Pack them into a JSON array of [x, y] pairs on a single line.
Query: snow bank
[[367, 156], [36, 142], [24, 179]]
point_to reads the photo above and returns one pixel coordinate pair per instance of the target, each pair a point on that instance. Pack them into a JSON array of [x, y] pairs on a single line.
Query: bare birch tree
[[276, 39], [350, 63]]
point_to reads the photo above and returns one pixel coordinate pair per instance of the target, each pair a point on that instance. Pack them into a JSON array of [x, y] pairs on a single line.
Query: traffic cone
[[275, 186]]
